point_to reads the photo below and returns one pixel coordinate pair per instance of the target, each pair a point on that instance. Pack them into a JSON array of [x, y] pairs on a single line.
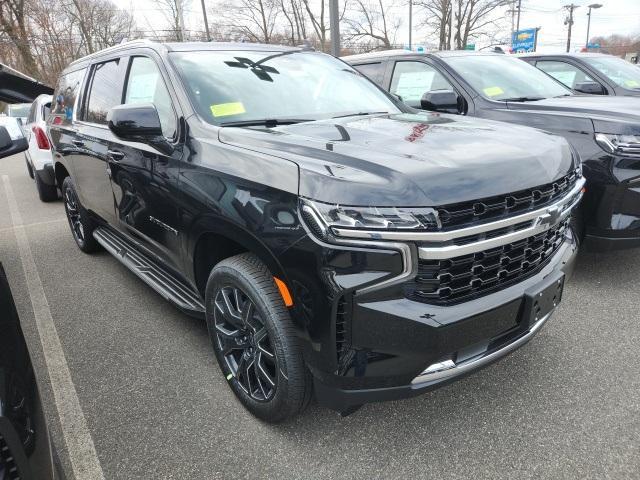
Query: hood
[[609, 114], [410, 159]]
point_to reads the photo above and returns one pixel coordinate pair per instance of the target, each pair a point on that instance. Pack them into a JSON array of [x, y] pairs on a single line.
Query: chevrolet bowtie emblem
[[550, 217]]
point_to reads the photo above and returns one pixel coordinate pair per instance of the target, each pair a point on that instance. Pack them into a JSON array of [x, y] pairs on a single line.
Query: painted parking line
[[77, 438]]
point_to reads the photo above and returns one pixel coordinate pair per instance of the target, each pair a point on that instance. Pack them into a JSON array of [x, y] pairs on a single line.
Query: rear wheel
[[254, 340], [47, 193], [81, 224]]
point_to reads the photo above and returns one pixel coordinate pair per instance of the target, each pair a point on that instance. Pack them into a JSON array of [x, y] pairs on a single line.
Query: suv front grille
[[453, 280], [493, 208]]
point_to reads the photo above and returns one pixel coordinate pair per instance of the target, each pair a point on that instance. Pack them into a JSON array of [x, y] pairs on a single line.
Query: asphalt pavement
[[155, 405]]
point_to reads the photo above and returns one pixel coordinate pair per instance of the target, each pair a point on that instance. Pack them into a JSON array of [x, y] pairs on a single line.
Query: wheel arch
[[213, 240], [61, 173]]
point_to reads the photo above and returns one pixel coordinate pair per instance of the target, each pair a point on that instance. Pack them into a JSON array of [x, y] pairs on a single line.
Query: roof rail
[[139, 41]]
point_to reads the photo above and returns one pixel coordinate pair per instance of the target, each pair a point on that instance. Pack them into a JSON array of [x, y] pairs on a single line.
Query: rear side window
[[32, 113], [105, 91], [66, 93], [146, 85], [375, 71]]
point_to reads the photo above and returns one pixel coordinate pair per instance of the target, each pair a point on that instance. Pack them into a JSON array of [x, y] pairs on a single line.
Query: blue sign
[[524, 41]]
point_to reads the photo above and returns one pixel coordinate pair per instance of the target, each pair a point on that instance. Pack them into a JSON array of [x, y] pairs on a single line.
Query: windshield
[[499, 77], [19, 110], [623, 73], [228, 87]]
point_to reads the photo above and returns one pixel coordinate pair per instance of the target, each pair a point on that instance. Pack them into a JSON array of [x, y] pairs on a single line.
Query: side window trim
[[125, 85]]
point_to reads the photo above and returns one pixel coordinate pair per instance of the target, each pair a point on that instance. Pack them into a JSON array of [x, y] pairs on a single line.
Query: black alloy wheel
[[73, 214], [81, 225], [244, 342], [254, 339]]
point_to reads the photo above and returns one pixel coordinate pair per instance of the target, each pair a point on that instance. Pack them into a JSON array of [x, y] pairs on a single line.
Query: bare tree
[[319, 18], [255, 20], [438, 17], [462, 19], [372, 20], [15, 26], [295, 18]]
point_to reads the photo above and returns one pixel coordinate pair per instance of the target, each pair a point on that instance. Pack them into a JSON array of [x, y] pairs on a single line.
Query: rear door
[[94, 139], [145, 179]]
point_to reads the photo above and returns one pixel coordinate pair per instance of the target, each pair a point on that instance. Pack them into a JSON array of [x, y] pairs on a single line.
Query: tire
[[577, 223], [81, 224], [47, 193], [265, 331], [29, 168]]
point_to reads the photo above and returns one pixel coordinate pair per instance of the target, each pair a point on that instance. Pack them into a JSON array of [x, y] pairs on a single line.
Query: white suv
[[38, 157]]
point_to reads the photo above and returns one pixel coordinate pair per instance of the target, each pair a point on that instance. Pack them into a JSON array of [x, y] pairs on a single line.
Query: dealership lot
[[152, 398]]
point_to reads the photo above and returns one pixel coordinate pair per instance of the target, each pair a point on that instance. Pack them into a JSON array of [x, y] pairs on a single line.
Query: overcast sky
[[615, 16]]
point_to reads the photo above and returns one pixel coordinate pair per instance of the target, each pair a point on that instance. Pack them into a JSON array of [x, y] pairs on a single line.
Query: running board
[[150, 272]]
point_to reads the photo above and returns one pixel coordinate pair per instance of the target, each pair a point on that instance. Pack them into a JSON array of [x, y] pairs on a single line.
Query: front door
[[145, 179]]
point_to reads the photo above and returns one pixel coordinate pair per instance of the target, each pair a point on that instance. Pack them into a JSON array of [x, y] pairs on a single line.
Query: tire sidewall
[[69, 185], [278, 407]]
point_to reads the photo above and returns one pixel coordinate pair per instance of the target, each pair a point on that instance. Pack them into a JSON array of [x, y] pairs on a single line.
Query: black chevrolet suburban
[[604, 130], [335, 240]]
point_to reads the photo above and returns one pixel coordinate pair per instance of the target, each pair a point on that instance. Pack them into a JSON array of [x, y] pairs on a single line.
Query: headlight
[[323, 217], [619, 144]]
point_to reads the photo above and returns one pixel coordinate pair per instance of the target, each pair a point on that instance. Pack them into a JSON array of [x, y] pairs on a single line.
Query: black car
[[594, 73], [604, 130], [25, 446], [334, 239]]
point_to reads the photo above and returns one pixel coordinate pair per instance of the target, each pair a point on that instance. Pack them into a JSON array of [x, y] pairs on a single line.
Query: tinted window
[[411, 80], [564, 72], [228, 86], [65, 96], [32, 113], [145, 85], [104, 93], [374, 71]]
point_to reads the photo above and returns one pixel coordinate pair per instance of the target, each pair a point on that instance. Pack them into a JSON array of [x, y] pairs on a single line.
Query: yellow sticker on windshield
[[492, 91], [632, 83], [224, 109]]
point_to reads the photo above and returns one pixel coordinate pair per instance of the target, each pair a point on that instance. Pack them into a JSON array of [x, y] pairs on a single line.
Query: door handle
[[78, 143], [115, 155]]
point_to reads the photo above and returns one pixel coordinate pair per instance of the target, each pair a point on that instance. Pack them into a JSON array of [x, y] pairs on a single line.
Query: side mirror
[[9, 146], [593, 88], [446, 101], [138, 123]]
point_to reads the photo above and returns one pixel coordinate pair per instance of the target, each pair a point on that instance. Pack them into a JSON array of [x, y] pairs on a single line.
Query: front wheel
[[254, 339]]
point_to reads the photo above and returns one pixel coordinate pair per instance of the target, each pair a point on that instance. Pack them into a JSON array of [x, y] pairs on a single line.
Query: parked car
[[604, 130], [594, 73], [19, 111], [334, 239], [38, 156], [25, 445]]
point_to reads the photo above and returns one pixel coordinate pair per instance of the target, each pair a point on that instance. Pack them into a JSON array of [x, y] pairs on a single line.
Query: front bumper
[[402, 348]]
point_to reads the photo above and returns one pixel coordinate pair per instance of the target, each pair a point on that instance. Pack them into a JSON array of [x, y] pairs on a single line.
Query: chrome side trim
[[449, 369], [451, 251], [410, 236]]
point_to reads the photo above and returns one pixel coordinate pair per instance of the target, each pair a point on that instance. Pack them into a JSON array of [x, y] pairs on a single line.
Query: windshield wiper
[[359, 114], [267, 122], [522, 99]]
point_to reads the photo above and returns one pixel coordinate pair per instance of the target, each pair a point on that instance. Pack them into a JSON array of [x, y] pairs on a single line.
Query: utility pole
[[569, 21], [410, 19], [183, 37], [334, 25], [518, 23], [593, 5], [206, 22]]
